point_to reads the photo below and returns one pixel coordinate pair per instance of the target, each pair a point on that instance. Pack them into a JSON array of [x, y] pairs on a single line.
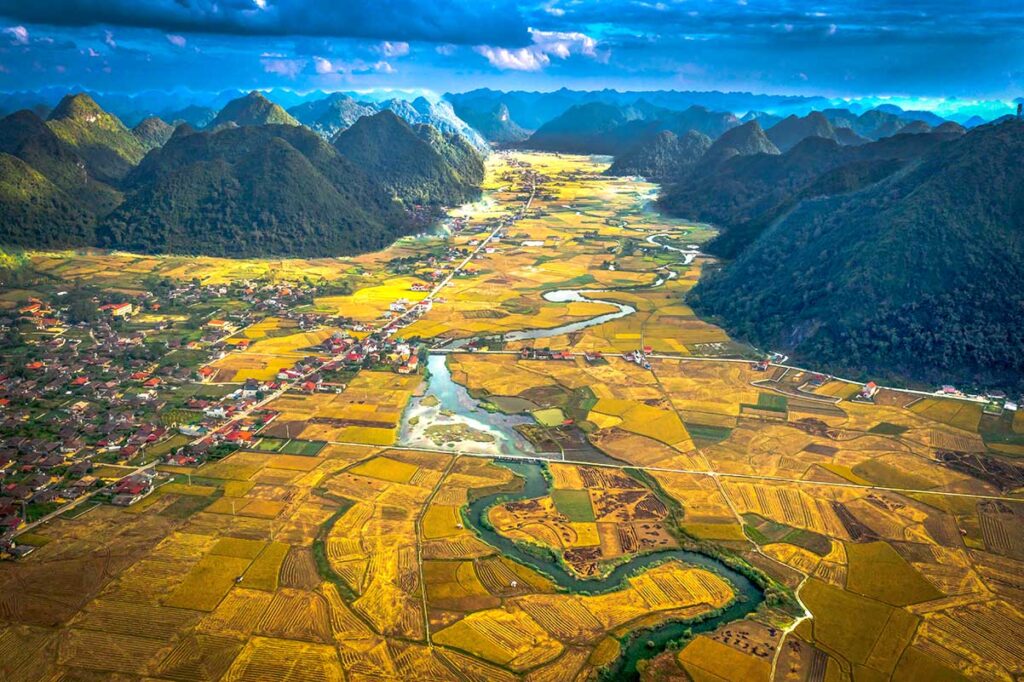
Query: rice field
[[322, 553]]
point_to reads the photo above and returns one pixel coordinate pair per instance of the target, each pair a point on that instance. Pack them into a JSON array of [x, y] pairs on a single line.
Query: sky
[[852, 48]]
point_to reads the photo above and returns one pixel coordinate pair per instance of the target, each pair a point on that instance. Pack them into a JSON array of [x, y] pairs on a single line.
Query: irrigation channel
[[447, 411], [640, 645]]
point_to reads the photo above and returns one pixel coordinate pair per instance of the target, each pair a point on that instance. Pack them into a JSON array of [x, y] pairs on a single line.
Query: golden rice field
[[357, 562]]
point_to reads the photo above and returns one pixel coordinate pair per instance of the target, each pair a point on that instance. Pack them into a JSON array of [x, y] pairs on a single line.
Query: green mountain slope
[[107, 146], [49, 197], [666, 155], [252, 110], [332, 114], [418, 166], [495, 124], [744, 194], [251, 191], [916, 276], [791, 130], [152, 132], [745, 140], [35, 213], [602, 128]]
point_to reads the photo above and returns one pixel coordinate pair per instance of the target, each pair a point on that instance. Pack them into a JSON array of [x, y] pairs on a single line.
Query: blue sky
[[925, 48]]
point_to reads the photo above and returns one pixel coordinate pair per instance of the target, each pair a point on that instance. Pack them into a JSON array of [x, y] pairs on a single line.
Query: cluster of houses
[[527, 353], [639, 356], [372, 351]]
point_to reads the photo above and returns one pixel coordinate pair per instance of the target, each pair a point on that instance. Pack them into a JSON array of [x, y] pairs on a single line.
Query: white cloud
[[447, 49], [176, 40], [289, 68], [19, 34], [393, 49], [554, 11], [262, 4], [546, 44], [108, 38], [832, 29], [322, 65], [92, 53], [523, 59], [562, 43]]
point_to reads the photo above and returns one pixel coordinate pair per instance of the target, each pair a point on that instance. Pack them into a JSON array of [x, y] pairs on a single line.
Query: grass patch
[[877, 571], [306, 448], [707, 434], [573, 504], [765, 531], [268, 444], [843, 621]]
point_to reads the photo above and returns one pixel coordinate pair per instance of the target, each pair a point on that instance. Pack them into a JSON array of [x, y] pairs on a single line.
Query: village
[[95, 390]]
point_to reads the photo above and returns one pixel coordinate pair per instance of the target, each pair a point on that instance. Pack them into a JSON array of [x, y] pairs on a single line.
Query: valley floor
[[571, 493]]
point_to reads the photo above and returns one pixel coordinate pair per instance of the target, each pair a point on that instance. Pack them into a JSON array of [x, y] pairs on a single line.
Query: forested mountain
[[108, 148], [664, 156], [417, 165], [48, 197], [880, 122], [332, 114], [496, 124], [788, 132], [250, 191], [195, 116], [152, 132], [915, 276], [439, 115], [601, 128], [36, 213], [744, 194], [743, 140], [531, 110], [239, 188], [252, 110]]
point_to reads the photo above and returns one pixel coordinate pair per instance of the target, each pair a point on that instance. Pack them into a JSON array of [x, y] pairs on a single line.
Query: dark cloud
[[916, 47], [496, 21]]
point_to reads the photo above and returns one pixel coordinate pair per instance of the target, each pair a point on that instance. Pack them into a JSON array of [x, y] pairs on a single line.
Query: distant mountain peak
[[80, 107], [252, 109]]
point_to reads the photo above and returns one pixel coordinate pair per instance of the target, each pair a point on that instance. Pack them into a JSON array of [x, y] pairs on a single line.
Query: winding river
[[447, 404], [642, 645]]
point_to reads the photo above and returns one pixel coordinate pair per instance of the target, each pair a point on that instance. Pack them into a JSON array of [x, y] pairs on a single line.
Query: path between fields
[[671, 470]]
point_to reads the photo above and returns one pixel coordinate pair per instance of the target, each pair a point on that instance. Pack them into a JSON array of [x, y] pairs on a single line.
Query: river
[[448, 404], [643, 645]]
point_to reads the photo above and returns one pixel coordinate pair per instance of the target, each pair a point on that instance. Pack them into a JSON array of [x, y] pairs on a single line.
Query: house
[[121, 310], [869, 391], [220, 326], [250, 388]]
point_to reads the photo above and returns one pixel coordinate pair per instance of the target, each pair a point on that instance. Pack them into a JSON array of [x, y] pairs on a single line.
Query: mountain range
[[896, 260], [745, 193], [601, 128], [254, 182]]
